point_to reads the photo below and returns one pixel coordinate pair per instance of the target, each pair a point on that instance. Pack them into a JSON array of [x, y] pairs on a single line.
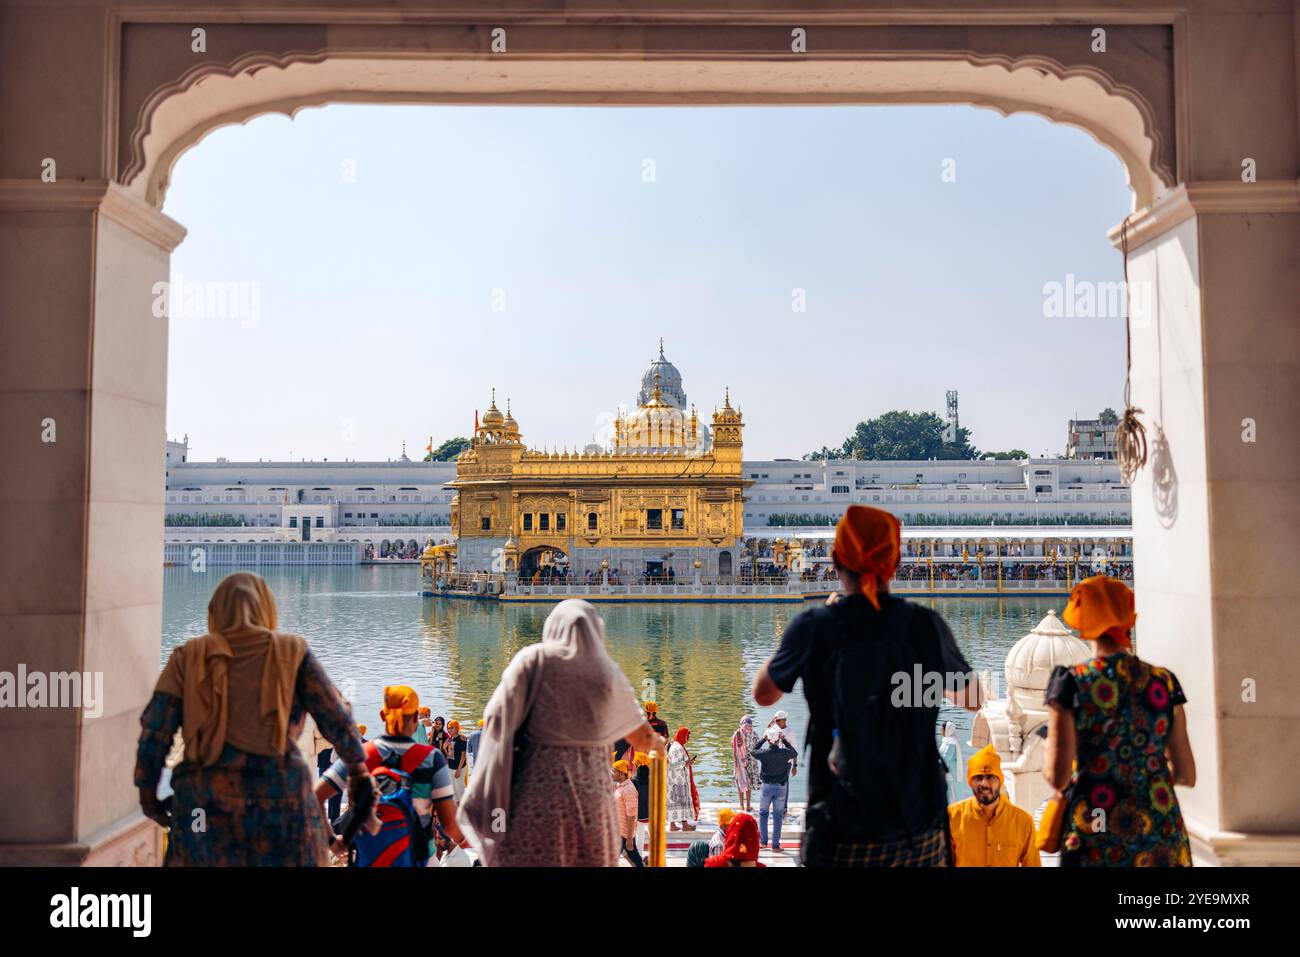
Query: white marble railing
[[921, 587], [247, 554]]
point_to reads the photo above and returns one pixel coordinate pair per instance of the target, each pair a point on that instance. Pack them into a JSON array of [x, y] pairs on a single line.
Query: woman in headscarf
[[741, 849], [743, 742], [239, 695], [1120, 721], [438, 732], [683, 799], [950, 745], [540, 796]]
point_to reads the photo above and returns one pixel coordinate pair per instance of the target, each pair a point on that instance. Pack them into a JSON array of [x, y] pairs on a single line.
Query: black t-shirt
[[805, 650], [457, 748], [642, 783], [774, 762]]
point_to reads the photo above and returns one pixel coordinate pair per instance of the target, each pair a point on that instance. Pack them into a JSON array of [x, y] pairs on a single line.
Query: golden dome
[[659, 424], [511, 426]]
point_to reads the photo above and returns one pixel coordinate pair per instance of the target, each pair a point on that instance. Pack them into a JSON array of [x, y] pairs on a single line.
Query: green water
[[370, 629]]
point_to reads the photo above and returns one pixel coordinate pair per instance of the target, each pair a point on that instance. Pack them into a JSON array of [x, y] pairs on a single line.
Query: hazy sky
[[403, 260]]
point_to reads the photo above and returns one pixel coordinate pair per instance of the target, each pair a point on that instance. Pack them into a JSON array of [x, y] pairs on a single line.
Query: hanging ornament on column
[[1130, 433]]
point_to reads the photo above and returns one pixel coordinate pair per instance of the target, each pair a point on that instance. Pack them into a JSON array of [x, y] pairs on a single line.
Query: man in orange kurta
[[987, 829]]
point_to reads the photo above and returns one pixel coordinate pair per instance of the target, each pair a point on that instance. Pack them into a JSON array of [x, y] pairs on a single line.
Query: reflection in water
[[369, 629]]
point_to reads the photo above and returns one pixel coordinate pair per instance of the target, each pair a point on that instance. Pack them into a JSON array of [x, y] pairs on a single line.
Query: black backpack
[[890, 785]]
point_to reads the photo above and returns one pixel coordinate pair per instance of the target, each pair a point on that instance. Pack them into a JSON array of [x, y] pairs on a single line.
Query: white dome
[[669, 381], [1031, 659]]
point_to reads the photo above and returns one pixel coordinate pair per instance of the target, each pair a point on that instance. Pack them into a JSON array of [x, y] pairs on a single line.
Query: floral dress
[[746, 768], [1123, 712]]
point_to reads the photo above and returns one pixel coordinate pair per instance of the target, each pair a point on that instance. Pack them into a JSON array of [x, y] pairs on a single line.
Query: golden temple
[[662, 499]]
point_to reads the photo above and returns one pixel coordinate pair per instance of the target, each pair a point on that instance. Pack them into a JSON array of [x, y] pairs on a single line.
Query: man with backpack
[[875, 671], [413, 786]]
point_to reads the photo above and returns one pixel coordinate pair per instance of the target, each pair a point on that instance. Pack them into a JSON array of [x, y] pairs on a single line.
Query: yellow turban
[[621, 767], [725, 817], [640, 759], [985, 761], [1101, 605], [399, 701]]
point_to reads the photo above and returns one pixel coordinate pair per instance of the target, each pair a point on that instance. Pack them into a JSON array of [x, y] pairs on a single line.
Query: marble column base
[[1213, 848], [134, 841]]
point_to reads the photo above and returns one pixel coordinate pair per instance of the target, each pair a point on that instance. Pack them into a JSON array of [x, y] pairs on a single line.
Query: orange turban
[[621, 767], [399, 701], [640, 759], [425, 712], [985, 761], [651, 707], [1101, 605], [453, 728], [867, 544]]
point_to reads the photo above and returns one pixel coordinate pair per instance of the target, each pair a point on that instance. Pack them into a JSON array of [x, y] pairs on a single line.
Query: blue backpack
[[401, 841]]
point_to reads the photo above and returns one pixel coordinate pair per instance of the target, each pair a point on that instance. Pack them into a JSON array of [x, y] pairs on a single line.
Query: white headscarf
[[564, 691]]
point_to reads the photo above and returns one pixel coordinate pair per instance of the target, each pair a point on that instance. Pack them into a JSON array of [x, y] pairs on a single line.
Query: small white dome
[[1031, 659]]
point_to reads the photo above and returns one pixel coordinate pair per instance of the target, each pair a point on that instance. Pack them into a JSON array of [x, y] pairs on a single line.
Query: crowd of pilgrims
[[1012, 571], [557, 771]]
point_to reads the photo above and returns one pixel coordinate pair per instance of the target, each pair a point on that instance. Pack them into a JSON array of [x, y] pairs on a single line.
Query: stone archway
[[543, 560], [81, 256]]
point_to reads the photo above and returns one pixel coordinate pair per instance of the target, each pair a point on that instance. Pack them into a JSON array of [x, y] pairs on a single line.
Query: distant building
[[1092, 438], [666, 479]]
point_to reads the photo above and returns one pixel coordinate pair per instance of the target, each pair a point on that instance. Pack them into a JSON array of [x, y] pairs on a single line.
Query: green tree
[[825, 453], [1108, 415], [448, 450], [903, 435], [1004, 456]]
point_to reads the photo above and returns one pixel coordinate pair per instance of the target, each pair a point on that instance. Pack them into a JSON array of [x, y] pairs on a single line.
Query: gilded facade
[[666, 491]]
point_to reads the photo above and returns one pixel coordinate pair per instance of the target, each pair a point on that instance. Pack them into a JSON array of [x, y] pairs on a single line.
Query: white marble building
[[786, 492]]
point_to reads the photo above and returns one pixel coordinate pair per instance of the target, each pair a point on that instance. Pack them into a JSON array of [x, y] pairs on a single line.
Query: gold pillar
[[658, 807]]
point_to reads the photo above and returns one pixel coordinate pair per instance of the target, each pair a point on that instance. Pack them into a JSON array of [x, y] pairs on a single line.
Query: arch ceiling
[[1124, 99]]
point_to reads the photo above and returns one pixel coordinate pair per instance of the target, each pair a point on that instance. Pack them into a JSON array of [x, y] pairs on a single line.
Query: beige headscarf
[[236, 683]]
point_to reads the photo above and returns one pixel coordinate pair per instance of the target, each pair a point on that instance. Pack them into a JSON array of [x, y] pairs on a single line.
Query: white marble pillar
[[80, 263], [1215, 514]]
